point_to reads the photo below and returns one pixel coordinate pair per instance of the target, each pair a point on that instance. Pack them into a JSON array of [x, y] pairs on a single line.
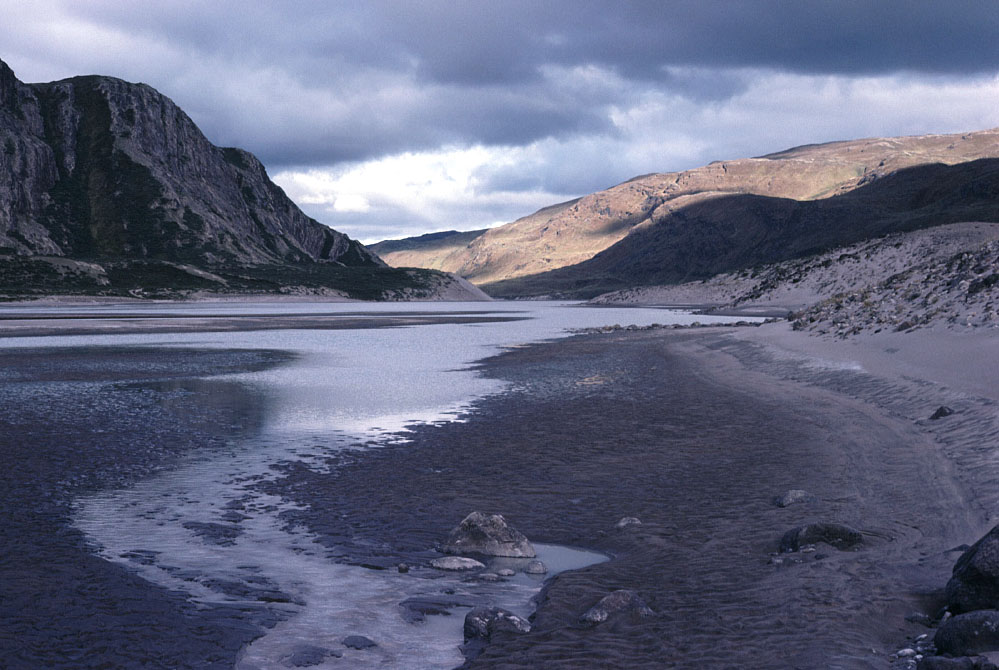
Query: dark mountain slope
[[727, 233], [100, 170]]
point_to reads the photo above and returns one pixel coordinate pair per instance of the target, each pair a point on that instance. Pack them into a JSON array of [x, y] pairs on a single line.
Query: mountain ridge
[[548, 241], [738, 231]]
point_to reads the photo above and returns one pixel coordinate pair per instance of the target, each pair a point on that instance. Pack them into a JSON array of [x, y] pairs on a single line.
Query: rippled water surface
[[205, 527]]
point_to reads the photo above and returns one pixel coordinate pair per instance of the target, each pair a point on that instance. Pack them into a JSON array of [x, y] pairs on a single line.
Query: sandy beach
[[693, 432]]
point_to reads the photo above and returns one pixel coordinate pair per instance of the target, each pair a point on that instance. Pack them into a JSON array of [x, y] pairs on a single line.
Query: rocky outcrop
[[490, 535], [101, 168], [105, 171]]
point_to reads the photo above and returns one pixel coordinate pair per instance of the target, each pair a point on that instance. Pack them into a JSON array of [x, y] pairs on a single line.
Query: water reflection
[[208, 528]]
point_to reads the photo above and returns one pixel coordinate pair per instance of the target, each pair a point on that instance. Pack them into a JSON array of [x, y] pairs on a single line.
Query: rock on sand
[[974, 584], [793, 497], [971, 633], [833, 534], [488, 534], [623, 600], [456, 563], [482, 622]]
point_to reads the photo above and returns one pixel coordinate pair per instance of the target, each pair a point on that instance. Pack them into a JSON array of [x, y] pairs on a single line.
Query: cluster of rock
[[659, 326], [969, 624], [490, 536]]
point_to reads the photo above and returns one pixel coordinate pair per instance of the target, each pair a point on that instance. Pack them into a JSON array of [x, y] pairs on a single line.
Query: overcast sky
[[387, 119]]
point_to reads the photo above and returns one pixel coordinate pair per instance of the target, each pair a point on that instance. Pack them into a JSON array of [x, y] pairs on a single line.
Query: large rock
[[968, 634], [833, 534], [620, 601], [974, 584], [483, 622], [962, 663], [488, 534]]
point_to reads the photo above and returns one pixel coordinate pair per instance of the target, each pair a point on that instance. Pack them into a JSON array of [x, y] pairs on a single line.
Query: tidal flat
[[243, 498]]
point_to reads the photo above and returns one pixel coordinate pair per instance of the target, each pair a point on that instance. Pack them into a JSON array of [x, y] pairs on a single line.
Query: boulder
[[536, 568], [456, 563], [941, 412], [620, 601], [970, 633], [793, 497], [490, 535], [833, 534], [974, 583], [482, 622]]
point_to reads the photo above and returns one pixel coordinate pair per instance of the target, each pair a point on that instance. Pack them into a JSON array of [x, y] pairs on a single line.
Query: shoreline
[[696, 446]]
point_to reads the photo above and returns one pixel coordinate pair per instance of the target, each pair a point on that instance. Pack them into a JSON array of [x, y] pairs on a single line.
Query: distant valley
[[727, 216]]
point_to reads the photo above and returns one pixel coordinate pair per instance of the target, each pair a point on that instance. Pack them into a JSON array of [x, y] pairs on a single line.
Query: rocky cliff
[[115, 174], [572, 233]]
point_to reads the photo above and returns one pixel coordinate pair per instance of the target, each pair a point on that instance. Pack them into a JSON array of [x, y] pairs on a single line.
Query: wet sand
[[59, 323], [692, 432], [80, 420]]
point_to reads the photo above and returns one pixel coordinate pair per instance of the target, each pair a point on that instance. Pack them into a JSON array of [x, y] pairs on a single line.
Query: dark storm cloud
[[371, 78]]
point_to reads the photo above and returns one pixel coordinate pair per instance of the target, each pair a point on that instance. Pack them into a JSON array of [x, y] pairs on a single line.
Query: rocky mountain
[[518, 258], [733, 232], [108, 186]]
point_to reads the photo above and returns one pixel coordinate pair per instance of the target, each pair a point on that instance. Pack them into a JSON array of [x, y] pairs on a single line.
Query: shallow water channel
[[206, 529]]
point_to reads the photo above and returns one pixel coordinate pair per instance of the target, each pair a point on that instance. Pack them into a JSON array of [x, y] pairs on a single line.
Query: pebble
[[627, 521], [456, 563], [505, 572]]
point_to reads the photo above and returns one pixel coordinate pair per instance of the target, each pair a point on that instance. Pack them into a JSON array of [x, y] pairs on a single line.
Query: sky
[[387, 119]]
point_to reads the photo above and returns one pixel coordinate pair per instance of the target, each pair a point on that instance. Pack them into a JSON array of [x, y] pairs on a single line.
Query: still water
[[344, 387]]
